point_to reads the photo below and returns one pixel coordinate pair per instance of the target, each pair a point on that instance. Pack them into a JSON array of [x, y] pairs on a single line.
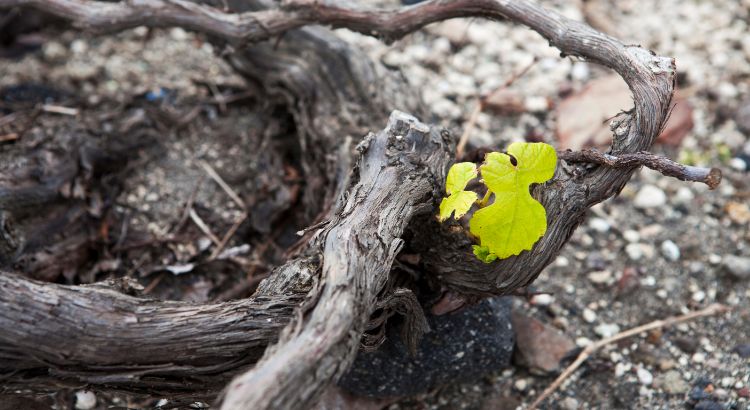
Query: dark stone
[[460, 347], [410, 2], [742, 117], [540, 347], [743, 350], [623, 394], [686, 344], [709, 405], [746, 159], [30, 94], [698, 392]]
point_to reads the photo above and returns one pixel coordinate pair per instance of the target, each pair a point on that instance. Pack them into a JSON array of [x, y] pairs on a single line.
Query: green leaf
[[515, 220], [458, 200]]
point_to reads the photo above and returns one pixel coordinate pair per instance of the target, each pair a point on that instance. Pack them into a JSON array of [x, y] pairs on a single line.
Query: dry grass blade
[[203, 227], [589, 350], [219, 180]]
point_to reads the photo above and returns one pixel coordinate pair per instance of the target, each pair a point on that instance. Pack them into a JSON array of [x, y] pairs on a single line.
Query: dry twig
[[236, 198], [590, 349], [59, 109], [219, 180], [203, 227], [708, 176]]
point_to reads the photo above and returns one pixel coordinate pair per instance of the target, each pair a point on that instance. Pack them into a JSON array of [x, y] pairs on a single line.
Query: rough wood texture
[[396, 176], [708, 176], [56, 336], [566, 197], [355, 95], [84, 335]]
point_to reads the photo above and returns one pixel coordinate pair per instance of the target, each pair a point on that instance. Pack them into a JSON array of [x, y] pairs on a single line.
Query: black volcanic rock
[[460, 347]]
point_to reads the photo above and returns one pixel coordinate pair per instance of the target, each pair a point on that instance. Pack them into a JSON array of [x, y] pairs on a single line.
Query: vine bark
[[324, 297]]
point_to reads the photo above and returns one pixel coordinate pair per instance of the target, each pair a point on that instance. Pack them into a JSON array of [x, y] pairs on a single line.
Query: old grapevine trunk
[[364, 200]]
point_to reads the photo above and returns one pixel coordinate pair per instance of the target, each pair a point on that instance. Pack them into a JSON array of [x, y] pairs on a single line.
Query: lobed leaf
[[515, 220], [458, 201]]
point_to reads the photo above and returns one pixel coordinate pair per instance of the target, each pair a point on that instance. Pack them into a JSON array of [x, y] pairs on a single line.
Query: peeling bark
[[335, 95]]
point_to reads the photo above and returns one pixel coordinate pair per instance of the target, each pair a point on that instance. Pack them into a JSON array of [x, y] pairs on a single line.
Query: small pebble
[[742, 350], [738, 164], [683, 196], [583, 342], [650, 196], [631, 236], [709, 405], [79, 46], [699, 296], [54, 51], [536, 104], [589, 316], [600, 277], [569, 403], [672, 383], [622, 368], [714, 259], [606, 330], [727, 382], [667, 364], [521, 385], [634, 251], [670, 250], [600, 225], [562, 262], [699, 357], [644, 376], [85, 400], [543, 299], [738, 267], [580, 71]]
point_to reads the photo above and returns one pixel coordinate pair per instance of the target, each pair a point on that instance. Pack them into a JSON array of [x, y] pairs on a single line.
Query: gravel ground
[[663, 247]]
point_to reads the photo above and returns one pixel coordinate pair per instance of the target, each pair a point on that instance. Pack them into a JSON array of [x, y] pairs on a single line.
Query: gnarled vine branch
[[325, 337]]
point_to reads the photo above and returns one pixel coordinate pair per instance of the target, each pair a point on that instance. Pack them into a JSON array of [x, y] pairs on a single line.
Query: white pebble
[[562, 261], [79, 46], [650, 196], [683, 196], [589, 315], [85, 400], [634, 251], [536, 104], [569, 403], [521, 384], [714, 259], [178, 34], [599, 225], [644, 376], [699, 296], [583, 342], [670, 250], [699, 357], [727, 381], [738, 164], [606, 330], [600, 277], [543, 299], [580, 71], [622, 368], [631, 236]]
